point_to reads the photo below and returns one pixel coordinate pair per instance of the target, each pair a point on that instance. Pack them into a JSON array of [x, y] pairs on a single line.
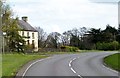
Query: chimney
[[25, 18]]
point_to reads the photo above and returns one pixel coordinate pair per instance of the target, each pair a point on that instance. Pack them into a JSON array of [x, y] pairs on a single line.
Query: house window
[[23, 33], [33, 36], [33, 44], [28, 42], [32, 41], [28, 34]]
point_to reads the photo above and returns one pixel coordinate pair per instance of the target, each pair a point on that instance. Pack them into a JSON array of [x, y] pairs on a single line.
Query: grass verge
[[113, 61], [0, 65], [11, 63]]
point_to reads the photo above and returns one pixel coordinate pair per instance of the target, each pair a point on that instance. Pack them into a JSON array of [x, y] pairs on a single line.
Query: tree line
[[82, 38], [77, 38]]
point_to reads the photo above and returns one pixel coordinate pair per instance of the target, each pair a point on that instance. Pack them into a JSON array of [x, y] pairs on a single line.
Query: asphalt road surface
[[83, 64]]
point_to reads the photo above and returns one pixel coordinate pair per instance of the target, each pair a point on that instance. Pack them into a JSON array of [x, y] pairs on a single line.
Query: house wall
[[33, 38]]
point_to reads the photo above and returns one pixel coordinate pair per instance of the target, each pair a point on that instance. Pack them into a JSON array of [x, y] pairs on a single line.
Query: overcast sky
[[63, 15]]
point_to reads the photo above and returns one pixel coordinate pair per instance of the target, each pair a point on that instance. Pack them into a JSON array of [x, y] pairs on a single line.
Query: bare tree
[[65, 38], [41, 36], [82, 32], [53, 40]]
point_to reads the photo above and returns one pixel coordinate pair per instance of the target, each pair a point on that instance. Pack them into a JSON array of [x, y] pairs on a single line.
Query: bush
[[108, 46], [29, 48], [115, 45], [69, 48]]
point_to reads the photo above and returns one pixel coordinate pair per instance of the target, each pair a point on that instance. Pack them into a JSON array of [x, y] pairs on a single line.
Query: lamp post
[[4, 33]]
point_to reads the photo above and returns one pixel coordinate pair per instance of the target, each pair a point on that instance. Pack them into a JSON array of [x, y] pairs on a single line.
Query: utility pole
[[1, 27]]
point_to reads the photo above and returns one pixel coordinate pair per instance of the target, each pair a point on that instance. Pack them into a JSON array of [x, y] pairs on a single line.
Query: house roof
[[26, 26]]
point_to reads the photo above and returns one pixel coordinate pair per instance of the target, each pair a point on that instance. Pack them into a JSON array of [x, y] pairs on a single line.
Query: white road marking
[[80, 76], [105, 66], [72, 68], [110, 69], [32, 65], [70, 63], [74, 59]]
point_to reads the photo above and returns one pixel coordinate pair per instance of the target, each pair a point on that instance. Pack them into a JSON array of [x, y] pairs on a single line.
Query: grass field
[[113, 61], [12, 62]]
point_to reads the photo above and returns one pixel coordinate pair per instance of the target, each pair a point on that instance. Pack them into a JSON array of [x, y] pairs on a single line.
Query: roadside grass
[[113, 61], [81, 51], [0, 65], [55, 53], [11, 63]]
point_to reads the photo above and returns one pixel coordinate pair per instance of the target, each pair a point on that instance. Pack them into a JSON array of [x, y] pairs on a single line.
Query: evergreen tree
[[74, 41], [10, 25]]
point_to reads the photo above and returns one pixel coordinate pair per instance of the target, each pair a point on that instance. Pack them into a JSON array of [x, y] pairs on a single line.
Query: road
[[83, 64]]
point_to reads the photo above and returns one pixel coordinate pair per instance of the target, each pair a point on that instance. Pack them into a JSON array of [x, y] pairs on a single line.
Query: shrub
[[115, 45], [108, 46], [29, 48], [69, 48]]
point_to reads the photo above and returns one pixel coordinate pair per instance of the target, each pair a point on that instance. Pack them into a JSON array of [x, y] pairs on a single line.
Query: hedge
[[108, 46]]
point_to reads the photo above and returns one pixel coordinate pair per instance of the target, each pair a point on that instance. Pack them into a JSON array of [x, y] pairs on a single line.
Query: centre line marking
[[73, 70], [69, 65]]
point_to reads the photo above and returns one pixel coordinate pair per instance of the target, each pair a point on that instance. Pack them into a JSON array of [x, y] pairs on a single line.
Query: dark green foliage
[[118, 35], [74, 41], [110, 29], [107, 35], [29, 48], [69, 48], [118, 38], [108, 46], [107, 39], [113, 61], [95, 35], [14, 42]]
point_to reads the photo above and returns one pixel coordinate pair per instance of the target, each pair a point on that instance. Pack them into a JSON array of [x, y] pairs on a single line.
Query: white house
[[29, 32]]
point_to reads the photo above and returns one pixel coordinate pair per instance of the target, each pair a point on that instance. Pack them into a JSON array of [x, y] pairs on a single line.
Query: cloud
[[55, 28], [61, 15], [105, 1]]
